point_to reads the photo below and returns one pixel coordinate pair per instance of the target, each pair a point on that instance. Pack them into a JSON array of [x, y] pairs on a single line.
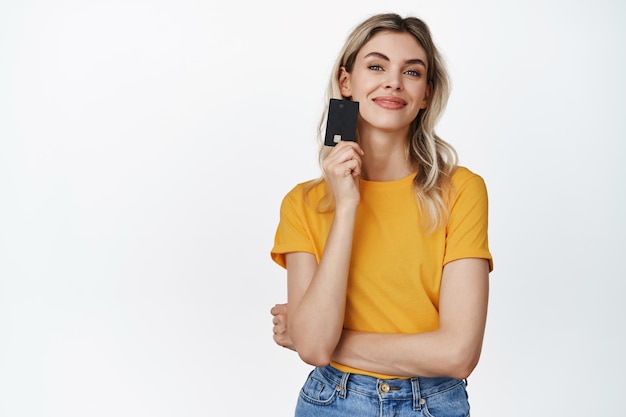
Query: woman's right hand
[[342, 169]]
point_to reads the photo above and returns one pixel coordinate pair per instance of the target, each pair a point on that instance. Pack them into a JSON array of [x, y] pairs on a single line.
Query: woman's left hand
[[281, 334]]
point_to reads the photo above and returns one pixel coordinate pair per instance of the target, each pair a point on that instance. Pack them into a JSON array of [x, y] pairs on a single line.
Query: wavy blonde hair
[[434, 158]]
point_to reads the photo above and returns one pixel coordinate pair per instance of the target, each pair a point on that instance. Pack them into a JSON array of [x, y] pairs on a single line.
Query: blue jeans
[[329, 392]]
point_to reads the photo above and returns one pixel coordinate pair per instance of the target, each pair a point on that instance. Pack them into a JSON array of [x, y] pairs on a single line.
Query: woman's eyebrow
[[416, 61], [386, 58], [377, 55]]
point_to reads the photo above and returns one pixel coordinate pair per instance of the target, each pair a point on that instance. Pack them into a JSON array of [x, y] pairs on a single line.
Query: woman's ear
[[344, 82]]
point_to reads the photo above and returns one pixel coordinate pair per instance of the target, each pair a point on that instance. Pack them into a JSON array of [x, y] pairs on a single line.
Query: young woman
[[386, 253]]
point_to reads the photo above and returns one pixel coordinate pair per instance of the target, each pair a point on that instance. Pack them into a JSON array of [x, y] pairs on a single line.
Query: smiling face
[[389, 81]]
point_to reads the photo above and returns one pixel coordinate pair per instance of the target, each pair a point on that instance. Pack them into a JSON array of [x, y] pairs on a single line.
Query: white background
[[144, 150]]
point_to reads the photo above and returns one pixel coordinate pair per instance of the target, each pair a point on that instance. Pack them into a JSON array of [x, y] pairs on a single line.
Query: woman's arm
[[317, 293], [452, 350]]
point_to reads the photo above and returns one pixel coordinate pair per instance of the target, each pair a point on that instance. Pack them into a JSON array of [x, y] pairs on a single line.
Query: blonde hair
[[434, 158]]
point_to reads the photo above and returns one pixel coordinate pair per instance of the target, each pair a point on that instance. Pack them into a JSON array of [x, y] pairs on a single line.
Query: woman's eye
[[413, 73], [375, 67]]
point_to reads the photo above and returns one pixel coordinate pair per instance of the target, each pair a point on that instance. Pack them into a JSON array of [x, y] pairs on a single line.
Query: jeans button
[[384, 387]]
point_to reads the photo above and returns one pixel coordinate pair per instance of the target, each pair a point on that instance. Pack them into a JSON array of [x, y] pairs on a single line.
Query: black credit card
[[341, 122]]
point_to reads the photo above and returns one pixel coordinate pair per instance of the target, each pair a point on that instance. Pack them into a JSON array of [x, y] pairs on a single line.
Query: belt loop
[[415, 387], [343, 384]]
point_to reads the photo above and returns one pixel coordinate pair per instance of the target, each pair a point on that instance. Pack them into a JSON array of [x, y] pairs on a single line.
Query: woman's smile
[[390, 102]]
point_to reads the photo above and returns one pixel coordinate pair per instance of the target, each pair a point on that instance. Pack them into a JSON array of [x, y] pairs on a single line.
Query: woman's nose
[[394, 81]]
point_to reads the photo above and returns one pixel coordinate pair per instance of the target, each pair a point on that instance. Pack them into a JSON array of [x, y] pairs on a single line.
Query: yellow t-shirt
[[396, 267]]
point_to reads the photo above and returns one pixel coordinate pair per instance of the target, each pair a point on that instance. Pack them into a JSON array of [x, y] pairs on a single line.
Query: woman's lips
[[391, 103]]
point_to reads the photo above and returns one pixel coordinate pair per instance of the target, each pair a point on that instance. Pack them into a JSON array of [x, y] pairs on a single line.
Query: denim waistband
[[416, 388]]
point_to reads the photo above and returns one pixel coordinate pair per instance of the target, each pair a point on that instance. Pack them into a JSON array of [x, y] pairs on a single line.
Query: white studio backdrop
[[145, 147]]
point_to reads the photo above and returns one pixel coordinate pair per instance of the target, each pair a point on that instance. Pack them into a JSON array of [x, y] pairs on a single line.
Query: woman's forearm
[[428, 354], [452, 350], [316, 321]]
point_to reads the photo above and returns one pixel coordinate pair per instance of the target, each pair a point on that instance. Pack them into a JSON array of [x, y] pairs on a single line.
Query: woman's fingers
[[279, 311], [344, 160], [342, 167], [281, 335]]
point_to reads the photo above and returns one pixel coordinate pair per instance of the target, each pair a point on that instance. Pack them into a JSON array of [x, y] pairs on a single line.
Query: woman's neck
[[386, 156]]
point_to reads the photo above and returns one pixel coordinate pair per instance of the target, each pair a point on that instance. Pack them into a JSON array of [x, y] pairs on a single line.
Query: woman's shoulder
[[467, 182], [309, 190], [462, 174]]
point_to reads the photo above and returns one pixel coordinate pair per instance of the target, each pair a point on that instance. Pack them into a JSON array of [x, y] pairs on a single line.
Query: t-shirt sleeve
[[292, 233], [467, 235]]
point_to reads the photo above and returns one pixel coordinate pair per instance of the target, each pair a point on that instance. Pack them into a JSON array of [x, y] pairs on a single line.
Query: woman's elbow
[[463, 371], [461, 362], [315, 356], [313, 348], [312, 351]]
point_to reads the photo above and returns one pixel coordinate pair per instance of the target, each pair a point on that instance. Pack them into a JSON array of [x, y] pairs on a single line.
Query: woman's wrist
[[347, 209]]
